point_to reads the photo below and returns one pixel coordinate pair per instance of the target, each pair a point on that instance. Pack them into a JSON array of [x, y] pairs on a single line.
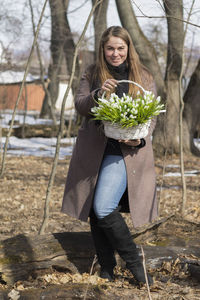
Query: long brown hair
[[133, 61]]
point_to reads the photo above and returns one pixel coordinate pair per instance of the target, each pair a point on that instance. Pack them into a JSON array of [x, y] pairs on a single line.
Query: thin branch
[[145, 273], [161, 5], [91, 270], [21, 88], [163, 17], [60, 132], [77, 8], [162, 179]]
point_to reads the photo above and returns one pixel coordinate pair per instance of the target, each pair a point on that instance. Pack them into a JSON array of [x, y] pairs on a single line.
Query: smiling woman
[[108, 175]]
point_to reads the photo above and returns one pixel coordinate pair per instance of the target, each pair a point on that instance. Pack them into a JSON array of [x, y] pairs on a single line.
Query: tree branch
[[163, 17]]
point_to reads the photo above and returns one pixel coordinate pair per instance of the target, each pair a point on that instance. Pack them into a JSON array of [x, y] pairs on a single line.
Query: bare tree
[[62, 50]]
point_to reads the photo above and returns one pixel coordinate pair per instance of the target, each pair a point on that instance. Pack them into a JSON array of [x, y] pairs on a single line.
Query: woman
[[106, 175]]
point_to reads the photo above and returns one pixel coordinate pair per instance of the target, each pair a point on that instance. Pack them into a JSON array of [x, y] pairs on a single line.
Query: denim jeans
[[111, 185]]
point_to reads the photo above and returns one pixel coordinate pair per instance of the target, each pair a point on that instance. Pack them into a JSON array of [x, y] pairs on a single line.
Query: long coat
[[86, 161]]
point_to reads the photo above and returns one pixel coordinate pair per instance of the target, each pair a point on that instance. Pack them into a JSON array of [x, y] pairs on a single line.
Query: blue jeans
[[111, 185]]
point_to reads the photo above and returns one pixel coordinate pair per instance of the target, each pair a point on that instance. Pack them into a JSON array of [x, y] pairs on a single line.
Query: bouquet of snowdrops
[[128, 112]]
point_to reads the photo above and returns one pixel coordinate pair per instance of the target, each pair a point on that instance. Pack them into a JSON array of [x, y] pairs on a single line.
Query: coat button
[[133, 172]]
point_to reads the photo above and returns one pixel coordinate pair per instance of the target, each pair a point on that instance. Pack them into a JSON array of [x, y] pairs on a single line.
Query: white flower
[[93, 109]]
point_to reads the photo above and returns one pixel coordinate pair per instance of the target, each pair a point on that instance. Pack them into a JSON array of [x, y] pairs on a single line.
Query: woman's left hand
[[132, 143]]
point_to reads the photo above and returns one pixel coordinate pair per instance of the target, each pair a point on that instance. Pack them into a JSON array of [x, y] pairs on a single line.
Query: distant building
[[32, 95], [33, 92]]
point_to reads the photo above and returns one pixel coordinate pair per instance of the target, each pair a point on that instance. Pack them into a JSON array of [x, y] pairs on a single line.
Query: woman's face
[[115, 51]]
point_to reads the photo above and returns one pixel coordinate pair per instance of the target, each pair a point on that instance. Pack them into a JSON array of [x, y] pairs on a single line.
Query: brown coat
[[86, 160]]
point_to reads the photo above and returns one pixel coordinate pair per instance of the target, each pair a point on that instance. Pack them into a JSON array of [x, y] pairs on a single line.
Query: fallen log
[[22, 257]]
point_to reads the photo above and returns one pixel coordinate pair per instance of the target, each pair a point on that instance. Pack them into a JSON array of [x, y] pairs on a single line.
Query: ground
[[23, 192]]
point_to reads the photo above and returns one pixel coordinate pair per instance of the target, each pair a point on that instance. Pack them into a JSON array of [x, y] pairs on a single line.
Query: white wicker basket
[[115, 131], [132, 133]]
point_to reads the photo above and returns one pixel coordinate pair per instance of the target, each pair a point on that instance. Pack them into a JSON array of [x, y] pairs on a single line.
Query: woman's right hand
[[108, 86]]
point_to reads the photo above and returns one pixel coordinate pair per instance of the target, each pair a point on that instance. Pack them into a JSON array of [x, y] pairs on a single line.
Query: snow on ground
[[186, 173], [38, 146], [31, 118]]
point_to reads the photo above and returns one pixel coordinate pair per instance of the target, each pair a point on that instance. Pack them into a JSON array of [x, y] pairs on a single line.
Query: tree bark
[[100, 22], [166, 137], [191, 111]]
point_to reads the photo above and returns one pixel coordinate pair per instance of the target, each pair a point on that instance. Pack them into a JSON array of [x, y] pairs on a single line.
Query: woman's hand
[[107, 86], [132, 143]]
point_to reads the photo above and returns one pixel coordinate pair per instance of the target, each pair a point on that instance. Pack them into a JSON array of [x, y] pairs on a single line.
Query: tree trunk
[[167, 136], [192, 111], [62, 49], [100, 22]]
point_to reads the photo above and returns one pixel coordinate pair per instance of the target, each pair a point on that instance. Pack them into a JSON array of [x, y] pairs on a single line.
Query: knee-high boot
[[104, 250], [119, 236]]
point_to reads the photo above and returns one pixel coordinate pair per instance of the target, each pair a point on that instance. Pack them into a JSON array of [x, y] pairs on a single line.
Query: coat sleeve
[[85, 98]]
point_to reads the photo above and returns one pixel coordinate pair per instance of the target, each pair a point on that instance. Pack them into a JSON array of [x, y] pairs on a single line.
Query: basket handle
[[129, 81]]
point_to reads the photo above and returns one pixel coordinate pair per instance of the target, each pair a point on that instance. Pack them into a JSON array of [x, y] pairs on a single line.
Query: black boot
[[104, 250], [120, 237]]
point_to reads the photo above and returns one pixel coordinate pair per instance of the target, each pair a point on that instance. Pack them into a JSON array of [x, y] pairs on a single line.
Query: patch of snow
[[172, 166], [177, 174], [163, 187], [42, 147], [197, 143], [30, 119]]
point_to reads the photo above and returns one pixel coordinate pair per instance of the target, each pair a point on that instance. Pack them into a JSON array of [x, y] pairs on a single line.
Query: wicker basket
[[115, 131], [132, 133]]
